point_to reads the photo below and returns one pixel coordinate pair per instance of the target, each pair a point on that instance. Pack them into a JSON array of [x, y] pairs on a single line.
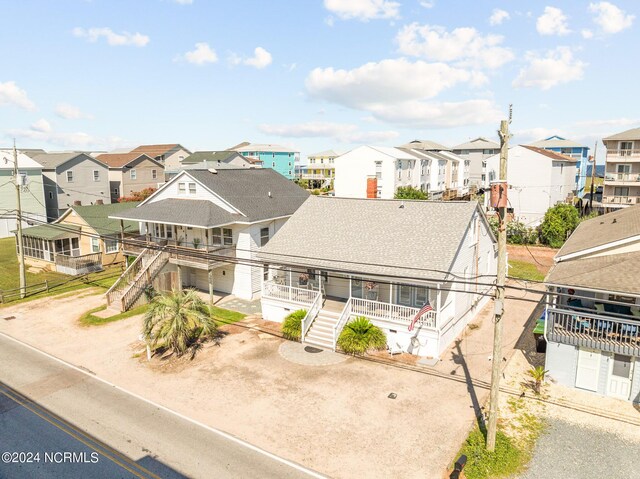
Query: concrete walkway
[[309, 355]]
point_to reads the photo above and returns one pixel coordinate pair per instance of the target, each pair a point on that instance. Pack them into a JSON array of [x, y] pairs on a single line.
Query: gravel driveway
[[572, 451]]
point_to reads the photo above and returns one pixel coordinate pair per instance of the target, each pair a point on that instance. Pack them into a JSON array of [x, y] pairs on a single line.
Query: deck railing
[[393, 313], [288, 293], [595, 331], [342, 320], [74, 265], [312, 312]]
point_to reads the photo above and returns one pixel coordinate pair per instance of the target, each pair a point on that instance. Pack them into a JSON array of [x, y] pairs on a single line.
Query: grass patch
[[225, 316], [524, 270], [505, 460], [89, 319]]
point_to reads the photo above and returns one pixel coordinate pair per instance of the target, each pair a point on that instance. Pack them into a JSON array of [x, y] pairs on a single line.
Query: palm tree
[[360, 336], [538, 373], [177, 320]]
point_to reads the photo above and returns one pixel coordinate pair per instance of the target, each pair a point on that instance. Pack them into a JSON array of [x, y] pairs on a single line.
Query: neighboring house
[[377, 172], [170, 155], [476, 151], [622, 170], [202, 229], [131, 172], [320, 169], [215, 159], [31, 192], [592, 327], [569, 148], [277, 157], [538, 179], [72, 177], [82, 240], [382, 259]]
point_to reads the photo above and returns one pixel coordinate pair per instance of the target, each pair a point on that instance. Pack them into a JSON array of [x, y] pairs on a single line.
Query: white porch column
[[438, 302], [290, 284], [210, 278]]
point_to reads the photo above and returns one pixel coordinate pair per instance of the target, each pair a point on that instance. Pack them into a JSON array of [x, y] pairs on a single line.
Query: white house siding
[[242, 284], [32, 203], [562, 362]]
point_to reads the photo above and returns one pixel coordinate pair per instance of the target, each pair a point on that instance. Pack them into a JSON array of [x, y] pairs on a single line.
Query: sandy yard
[[542, 254], [336, 419]]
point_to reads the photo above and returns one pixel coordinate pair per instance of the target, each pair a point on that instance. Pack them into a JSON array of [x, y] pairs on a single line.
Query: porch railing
[[75, 265], [288, 293], [595, 331], [187, 252], [312, 312], [342, 320], [394, 313]]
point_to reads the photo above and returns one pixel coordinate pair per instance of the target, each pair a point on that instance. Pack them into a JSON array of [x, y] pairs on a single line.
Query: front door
[[620, 376], [588, 369]]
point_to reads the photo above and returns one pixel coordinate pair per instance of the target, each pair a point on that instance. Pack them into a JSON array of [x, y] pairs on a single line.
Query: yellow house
[[82, 240], [320, 170]]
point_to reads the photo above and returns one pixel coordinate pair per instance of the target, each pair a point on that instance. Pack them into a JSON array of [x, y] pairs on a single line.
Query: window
[[70, 176], [273, 155], [264, 236], [273, 164], [289, 172], [192, 188], [216, 236], [111, 245], [265, 272], [132, 174], [96, 175], [95, 245], [154, 174], [621, 191], [227, 236], [50, 195], [182, 188], [484, 164], [626, 147], [378, 170], [115, 191]]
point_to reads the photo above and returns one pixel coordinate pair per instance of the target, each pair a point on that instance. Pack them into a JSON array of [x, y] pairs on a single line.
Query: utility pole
[[593, 175], [23, 277], [500, 281]]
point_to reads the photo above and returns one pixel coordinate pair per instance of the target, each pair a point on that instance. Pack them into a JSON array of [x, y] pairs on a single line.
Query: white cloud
[[201, 55], [426, 4], [610, 18], [465, 46], [261, 58], [498, 16], [363, 10], [12, 94], [70, 112], [552, 22], [42, 133], [556, 67], [41, 125], [113, 38], [586, 33], [398, 91], [183, 2], [342, 132]]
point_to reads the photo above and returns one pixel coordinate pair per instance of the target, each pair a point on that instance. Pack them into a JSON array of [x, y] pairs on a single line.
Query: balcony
[[621, 200], [622, 178], [623, 156], [595, 331], [75, 265]]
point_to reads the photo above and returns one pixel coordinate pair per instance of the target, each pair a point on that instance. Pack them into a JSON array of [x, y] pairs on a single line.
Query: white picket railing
[[342, 320], [288, 293], [393, 313], [312, 312]]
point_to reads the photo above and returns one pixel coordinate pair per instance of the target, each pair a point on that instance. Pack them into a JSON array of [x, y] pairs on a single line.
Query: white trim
[[592, 290], [595, 249]]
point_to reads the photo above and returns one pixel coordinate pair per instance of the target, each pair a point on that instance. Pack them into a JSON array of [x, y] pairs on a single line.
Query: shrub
[[558, 222], [292, 325], [517, 232], [410, 193], [506, 460], [360, 336]]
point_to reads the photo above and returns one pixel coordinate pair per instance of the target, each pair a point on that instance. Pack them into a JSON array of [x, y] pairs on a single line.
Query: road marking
[[93, 444], [226, 435]]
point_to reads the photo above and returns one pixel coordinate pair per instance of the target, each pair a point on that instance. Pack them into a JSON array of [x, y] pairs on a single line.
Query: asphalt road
[[49, 409]]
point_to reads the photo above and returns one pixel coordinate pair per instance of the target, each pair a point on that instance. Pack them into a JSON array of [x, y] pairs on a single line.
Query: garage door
[[588, 369]]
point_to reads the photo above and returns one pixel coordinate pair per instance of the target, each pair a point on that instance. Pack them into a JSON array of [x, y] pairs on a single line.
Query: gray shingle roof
[[604, 229], [632, 134], [201, 213], [53, 160], [615, 273], [200, 156], [373, 236], [425, 145], [479, 143]]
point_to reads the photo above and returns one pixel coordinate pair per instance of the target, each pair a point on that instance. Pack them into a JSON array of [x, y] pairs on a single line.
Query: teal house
[[276, 157]]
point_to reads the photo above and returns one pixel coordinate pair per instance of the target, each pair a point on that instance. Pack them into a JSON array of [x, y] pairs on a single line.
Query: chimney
[[372, 187], [99, 202], [77, 203]]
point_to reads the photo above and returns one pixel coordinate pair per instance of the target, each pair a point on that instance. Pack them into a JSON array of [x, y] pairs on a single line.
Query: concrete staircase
[[320, 333]]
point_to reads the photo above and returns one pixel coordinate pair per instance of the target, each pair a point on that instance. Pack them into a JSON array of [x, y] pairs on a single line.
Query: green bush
[[360, 336], [292, 325], [505, 460], [410, 193], [558, 222], [517, 232]]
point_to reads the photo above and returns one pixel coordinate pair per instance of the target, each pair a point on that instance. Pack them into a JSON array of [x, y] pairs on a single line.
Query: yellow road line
[[72, 431]]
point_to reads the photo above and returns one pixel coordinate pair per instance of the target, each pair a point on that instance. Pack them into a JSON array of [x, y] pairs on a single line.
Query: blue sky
[[313, 74]]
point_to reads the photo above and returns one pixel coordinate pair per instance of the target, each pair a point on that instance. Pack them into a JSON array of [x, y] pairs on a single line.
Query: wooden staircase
[[320, 333], [124, 293]]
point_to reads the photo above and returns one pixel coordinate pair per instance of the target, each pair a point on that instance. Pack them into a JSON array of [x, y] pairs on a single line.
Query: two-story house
[[538, 179], [277, 157], [131, 173], [622, 170], [592, 322], [31, 192], [202, 229], [574, 150], [476, 151], [385, 260], [220, 159], [320, 169], [170, 155], [72, 177]]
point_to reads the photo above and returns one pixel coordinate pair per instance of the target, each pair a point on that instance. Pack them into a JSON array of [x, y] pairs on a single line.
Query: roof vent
[[269, 194], [213, 170]]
